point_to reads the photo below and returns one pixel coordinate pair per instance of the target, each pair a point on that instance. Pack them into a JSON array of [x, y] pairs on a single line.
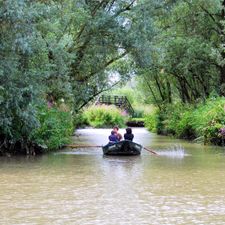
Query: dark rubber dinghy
[[126, 148]]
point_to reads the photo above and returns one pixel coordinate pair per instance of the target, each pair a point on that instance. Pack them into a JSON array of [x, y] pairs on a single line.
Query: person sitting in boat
[[113, 138], [128, 135], [116, 130]]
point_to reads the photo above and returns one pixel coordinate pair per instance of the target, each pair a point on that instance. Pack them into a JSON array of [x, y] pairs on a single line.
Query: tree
[[187, 56], [97, 39], [22, 68], [70, 49]]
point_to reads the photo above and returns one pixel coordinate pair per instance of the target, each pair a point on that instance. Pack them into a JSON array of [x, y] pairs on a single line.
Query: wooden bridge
[[119, 101]]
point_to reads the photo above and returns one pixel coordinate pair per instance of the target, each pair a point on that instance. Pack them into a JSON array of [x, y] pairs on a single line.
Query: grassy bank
[[204, 122]]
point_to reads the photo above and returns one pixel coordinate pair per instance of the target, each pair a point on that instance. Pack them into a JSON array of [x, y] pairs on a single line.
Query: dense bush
[[138, 113], [55, 128], [140, 110], [151, 121], [105, 116], [177, 121], [204, 121], [79, 120], [208, 119]]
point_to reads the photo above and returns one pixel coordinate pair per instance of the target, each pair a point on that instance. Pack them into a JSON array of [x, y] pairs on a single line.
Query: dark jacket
[[129, 137]]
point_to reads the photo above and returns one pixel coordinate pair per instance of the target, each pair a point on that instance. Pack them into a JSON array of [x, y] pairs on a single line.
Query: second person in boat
[[128, 135]]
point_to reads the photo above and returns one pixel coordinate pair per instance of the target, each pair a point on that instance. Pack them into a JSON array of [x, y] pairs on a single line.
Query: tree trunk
[[159, 88], [169, 92], [153, 94]]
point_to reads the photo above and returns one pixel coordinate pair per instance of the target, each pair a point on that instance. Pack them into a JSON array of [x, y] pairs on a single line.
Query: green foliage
[[47, 50], [22, 69], [55, 128], [187, 62], [137, 119], [186, 66], [152, 122], [139, 113], [125, 91], [73, 50], [209, 119], [79, 120], [109, 31], [185, 121], [135, 97], [105, 116], [141, 109]]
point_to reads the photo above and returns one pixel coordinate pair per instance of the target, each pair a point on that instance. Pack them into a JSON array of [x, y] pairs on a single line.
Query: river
[[185, 184]]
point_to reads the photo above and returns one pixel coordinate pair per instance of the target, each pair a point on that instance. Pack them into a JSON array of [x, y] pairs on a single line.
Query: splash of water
[[176, 151]]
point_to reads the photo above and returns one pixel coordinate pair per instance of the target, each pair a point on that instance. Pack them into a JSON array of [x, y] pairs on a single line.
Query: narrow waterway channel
[[185, 184]]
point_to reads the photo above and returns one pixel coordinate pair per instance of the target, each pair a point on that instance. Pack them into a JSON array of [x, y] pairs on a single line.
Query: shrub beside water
[[55, 128], [209, 119], [151, 121], [205, 121], [105, 116], [80, 121]]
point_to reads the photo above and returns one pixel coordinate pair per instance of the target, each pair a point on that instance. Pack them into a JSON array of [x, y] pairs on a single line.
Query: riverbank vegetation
[[66, 53], [186, 77], [61, 50], [55, 129], [203, 122], [105, 116]]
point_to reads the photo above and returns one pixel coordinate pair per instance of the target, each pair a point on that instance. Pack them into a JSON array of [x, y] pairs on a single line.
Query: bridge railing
[[119, 101]]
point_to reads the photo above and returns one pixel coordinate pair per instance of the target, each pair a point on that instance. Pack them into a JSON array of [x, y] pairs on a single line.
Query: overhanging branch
[[85, 78]]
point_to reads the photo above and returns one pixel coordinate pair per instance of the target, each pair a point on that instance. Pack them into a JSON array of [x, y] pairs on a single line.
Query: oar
[[83, 146], [149, 150]]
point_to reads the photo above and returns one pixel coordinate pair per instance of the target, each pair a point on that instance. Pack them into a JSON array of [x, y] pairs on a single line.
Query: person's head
[[129, 130], [115, 128], [112, 132]]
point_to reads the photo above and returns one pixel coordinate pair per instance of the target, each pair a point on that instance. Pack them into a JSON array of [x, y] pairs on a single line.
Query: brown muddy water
[[185, 184]]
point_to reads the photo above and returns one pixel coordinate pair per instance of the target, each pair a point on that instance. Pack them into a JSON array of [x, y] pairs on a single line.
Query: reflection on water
[[82, 186]]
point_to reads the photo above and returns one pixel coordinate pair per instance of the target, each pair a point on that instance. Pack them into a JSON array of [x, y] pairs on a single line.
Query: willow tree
[[114, 32], [188, 52], [22, 69], [70, 49], [97, 39]]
